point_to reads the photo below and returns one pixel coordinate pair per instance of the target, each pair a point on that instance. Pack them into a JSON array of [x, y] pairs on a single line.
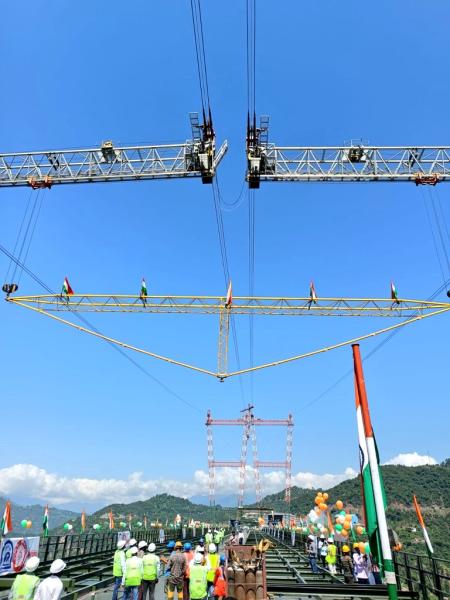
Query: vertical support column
[[290, 430], [211, 468], [255, 464], [245, 436], [375, 473], [222, 346]]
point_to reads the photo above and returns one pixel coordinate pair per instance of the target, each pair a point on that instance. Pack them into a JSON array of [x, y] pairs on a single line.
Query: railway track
[[289, 575]]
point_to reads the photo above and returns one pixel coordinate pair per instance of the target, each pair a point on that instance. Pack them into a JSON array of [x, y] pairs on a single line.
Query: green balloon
[[66, 526], [338, 527], [139, 523], [23, 523], [343, 513], [122, 524]]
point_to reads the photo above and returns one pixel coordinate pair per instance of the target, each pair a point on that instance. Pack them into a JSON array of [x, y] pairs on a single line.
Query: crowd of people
[[190, 573], [357, 567]]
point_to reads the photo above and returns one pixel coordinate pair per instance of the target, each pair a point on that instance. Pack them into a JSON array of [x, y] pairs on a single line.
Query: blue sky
[[326, 72]]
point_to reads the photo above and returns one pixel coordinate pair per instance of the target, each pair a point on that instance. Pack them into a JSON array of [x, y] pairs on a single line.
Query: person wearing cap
[[347, 564], [51, 588], [220, 584], [330, 558], [322, 549], [133, 575], [142, 547], [312, 553], [25, 584], [151, 567], [131, 544], [213, 559], [119, 568], [177, 565], [198, 583], [361, 568]]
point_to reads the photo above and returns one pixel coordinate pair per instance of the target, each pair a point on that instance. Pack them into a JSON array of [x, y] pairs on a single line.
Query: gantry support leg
[[222, 347]]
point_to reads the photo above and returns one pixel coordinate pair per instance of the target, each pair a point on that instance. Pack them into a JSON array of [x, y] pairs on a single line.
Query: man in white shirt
[[52, 587], [361, 567]]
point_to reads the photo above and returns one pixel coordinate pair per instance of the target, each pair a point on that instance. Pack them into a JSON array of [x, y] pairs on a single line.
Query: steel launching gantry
[[355, 162], [196, 157], [408, 311]]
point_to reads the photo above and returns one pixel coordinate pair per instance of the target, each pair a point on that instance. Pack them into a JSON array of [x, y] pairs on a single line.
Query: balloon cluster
[[68, 527], [321, 502], [26, 524], [139, 524], [96, 526]]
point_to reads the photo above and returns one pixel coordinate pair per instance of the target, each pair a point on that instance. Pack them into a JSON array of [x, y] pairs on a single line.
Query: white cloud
[[32, 481], [411, 459]]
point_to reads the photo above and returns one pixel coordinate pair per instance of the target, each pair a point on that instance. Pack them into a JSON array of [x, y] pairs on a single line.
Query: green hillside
[[34, 513], [430, 483]]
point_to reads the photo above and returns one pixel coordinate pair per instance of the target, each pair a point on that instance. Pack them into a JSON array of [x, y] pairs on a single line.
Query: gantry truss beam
[[422, 165], [194, 158], [242, 305], [406, 311]]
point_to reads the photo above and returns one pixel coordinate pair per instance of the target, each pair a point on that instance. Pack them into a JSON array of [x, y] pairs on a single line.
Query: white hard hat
[[310, 537], [32, 564], [132, 542], [152, 547], [134, 550], [142, 544], [57, 566], [121, 544], [330, 540], [212, 548], [198, 558]]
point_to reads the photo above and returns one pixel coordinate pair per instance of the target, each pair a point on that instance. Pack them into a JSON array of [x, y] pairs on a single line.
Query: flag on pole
[[312, 293], [394, 293], [83, 521], [143, 294], [111, 520], [422, 524], [6, 524], [66, 289], [229, 299], [367, 487], [145, 521], [45, 522]]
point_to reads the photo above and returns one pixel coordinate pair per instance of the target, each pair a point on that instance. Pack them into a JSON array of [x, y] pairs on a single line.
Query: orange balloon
[[323, 506], [362, 547], [344, 533], [29, 524], [347, 525], [317, 500], [359, 530], [325, 496], [339, 505], [319, 494]]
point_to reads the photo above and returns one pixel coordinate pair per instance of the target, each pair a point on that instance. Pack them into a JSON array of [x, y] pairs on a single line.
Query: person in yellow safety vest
[[331, 556], [133, 575], [150, 572], [213, 560], [25, 584], [216, 537], [198, 579], [131, 544], [119, 567], [209, 537]]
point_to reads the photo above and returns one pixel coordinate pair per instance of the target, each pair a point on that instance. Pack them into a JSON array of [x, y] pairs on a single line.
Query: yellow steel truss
[[409, 310]]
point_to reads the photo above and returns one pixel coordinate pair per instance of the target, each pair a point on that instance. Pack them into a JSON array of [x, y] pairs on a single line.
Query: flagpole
[[376, 481]]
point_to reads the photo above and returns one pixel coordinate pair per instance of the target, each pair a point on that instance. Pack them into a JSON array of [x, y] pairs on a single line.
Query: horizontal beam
[[257, 422], [108, 164], [271, 463], [242, 305], [222, 463], [354, 163]]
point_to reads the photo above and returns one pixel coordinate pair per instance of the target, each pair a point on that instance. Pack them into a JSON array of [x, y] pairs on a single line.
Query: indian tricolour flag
[[422, 524], [6, 524], [143, 289], [312, 293], [45, 522], [83, 521], [111, 520], [369, 499], [66, 289], [394, 293], [229, 298]]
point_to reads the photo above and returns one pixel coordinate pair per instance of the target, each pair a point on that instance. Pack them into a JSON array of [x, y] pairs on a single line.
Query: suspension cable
[[197, 23], [251, 277], [97, 332]]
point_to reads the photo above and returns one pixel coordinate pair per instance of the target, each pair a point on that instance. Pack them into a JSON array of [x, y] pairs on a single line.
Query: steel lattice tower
[[249, 422]]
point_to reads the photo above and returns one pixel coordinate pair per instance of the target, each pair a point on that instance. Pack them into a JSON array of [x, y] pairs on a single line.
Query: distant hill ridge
[[430, 483]]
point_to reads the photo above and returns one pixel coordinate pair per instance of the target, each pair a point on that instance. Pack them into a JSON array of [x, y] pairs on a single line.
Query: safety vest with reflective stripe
[[133, 574], [117, 565], [213, 564], [24, 587], [198, 582], [150, 562]]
